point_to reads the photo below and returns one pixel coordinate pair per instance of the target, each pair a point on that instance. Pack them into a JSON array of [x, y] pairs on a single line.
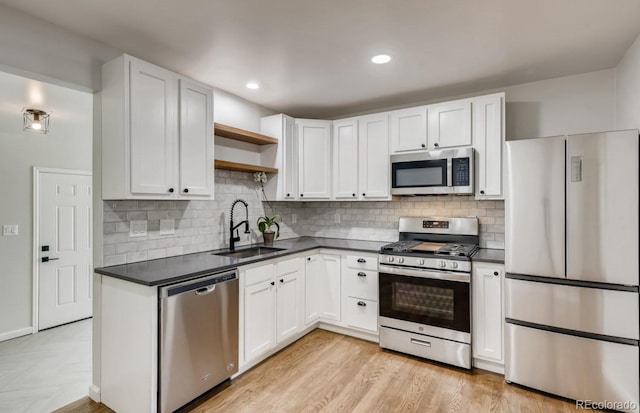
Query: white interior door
[[64, 246]]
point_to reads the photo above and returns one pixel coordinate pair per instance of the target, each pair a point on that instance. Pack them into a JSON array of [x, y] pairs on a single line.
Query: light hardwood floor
[[328, 372], [46, 370]]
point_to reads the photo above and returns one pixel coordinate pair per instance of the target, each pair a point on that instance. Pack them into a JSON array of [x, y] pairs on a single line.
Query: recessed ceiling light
[[253, 85], [381, 59]]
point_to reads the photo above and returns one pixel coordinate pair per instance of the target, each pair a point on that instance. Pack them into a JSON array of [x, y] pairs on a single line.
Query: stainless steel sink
[[249, 252]]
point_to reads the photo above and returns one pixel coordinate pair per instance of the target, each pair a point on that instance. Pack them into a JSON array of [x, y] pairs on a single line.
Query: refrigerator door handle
[[576, 169]]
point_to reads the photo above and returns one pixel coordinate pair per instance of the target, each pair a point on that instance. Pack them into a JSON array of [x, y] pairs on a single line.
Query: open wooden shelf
[[242, 135], [242, 167]]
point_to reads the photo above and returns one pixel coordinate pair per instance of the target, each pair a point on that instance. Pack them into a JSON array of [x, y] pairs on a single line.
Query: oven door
[[435, 303]]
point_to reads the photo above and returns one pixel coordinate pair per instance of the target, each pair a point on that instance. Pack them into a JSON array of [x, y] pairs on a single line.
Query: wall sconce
[[34, 120]]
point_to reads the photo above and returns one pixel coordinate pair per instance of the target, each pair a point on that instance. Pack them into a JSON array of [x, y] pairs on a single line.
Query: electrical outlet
[[10, 230], [336, 218], [137, 229], [294, 219]]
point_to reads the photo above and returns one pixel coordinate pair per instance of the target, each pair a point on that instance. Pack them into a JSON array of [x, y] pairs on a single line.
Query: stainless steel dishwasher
[[198, 337]]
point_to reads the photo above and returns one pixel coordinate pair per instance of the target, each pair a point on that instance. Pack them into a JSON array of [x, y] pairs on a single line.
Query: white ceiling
[[311, 57]]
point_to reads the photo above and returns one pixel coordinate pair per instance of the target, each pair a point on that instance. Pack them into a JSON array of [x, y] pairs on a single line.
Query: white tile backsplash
[[204, 225]]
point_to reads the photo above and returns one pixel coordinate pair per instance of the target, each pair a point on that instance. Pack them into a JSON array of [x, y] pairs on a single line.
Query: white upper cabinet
[[488, 140], [283, 156], [196, 142], [373, 158], [450, 124], [408, 129], [156, 133], [345, 159], [314, 158]]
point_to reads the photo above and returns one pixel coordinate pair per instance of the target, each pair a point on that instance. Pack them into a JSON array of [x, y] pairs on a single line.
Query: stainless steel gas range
[[425, 289]]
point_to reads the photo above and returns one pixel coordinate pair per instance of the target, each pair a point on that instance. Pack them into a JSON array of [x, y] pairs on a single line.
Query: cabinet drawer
[[361, 314], [365, 262], [288, 266], [361, 284], [259, 274]]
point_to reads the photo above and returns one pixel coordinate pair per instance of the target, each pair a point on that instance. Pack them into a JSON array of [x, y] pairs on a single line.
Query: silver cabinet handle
[[47, 259], [205, 290], [362, 274], [362, 304], [361, 260], [420, 342]]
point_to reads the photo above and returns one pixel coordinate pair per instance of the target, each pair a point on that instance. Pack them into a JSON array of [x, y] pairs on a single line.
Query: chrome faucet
[[232, 239]]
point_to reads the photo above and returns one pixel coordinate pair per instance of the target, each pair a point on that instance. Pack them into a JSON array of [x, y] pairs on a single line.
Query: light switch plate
[[167, 226], [294, 219], [336, 218], [10, 230], [137, 229]]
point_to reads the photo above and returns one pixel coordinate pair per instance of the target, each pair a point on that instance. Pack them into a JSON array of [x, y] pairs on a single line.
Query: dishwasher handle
[[201, 286], [205, 290]]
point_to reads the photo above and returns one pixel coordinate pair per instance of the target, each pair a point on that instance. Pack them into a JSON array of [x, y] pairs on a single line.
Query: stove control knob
[[442, 264], [420, 261], [400, 260], [390, 259], [454, 265]]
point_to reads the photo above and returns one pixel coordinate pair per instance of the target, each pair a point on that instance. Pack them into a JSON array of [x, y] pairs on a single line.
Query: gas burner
[[400, 246], [462, 250]]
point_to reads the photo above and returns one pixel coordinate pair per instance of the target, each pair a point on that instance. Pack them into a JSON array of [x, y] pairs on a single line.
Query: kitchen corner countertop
[[182, 267], [489, 255]]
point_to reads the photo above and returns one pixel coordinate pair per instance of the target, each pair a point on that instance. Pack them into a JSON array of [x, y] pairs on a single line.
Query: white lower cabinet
[[273, 303], [360, 284], [290, 298], [322, 288], [488, 316], [259, 310]]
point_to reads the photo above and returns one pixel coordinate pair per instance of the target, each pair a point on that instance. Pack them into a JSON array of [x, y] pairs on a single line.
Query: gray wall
[[67, 146], [628, 89]]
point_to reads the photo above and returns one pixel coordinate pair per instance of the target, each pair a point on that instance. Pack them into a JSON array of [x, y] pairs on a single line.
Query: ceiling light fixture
[[381, 59], [34, 120], [253, 85]]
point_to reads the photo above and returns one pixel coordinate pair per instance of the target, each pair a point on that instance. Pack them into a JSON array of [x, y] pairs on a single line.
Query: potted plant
[[264, 225]]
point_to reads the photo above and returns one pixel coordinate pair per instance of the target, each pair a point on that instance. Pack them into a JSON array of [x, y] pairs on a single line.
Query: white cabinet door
[[361, 313], [408, 129], [488, 140], [450, 124], [488, 319], [290, 298], [373, 132], [196, 140], [314, 157], [312, 287], [345, 159], [152, 122], [322, 287], [259, 319], [290, 163], [330, 289]]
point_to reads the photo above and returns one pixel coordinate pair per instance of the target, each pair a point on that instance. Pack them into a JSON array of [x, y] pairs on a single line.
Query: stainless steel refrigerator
[[571, 257]]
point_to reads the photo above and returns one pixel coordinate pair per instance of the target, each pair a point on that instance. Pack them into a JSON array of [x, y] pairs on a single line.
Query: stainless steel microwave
[[447, 171]]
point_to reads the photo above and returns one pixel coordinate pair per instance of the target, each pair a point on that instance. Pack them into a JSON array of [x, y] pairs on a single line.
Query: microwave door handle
[[449, 172]]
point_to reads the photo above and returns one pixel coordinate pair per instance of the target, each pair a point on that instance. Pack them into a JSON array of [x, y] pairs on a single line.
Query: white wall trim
[[16, 333], [94, 393], [37, 172]]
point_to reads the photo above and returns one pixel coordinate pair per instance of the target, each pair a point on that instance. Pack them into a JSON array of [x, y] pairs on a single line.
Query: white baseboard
[[488, 365], [349, 332], [16, 333], [94, 393]]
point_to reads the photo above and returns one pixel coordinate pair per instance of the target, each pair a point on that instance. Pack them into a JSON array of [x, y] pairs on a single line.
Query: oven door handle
[[417, 272]]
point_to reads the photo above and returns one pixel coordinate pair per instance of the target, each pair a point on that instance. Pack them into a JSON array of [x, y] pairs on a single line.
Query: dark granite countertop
[[173, 269], [489, 255]]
